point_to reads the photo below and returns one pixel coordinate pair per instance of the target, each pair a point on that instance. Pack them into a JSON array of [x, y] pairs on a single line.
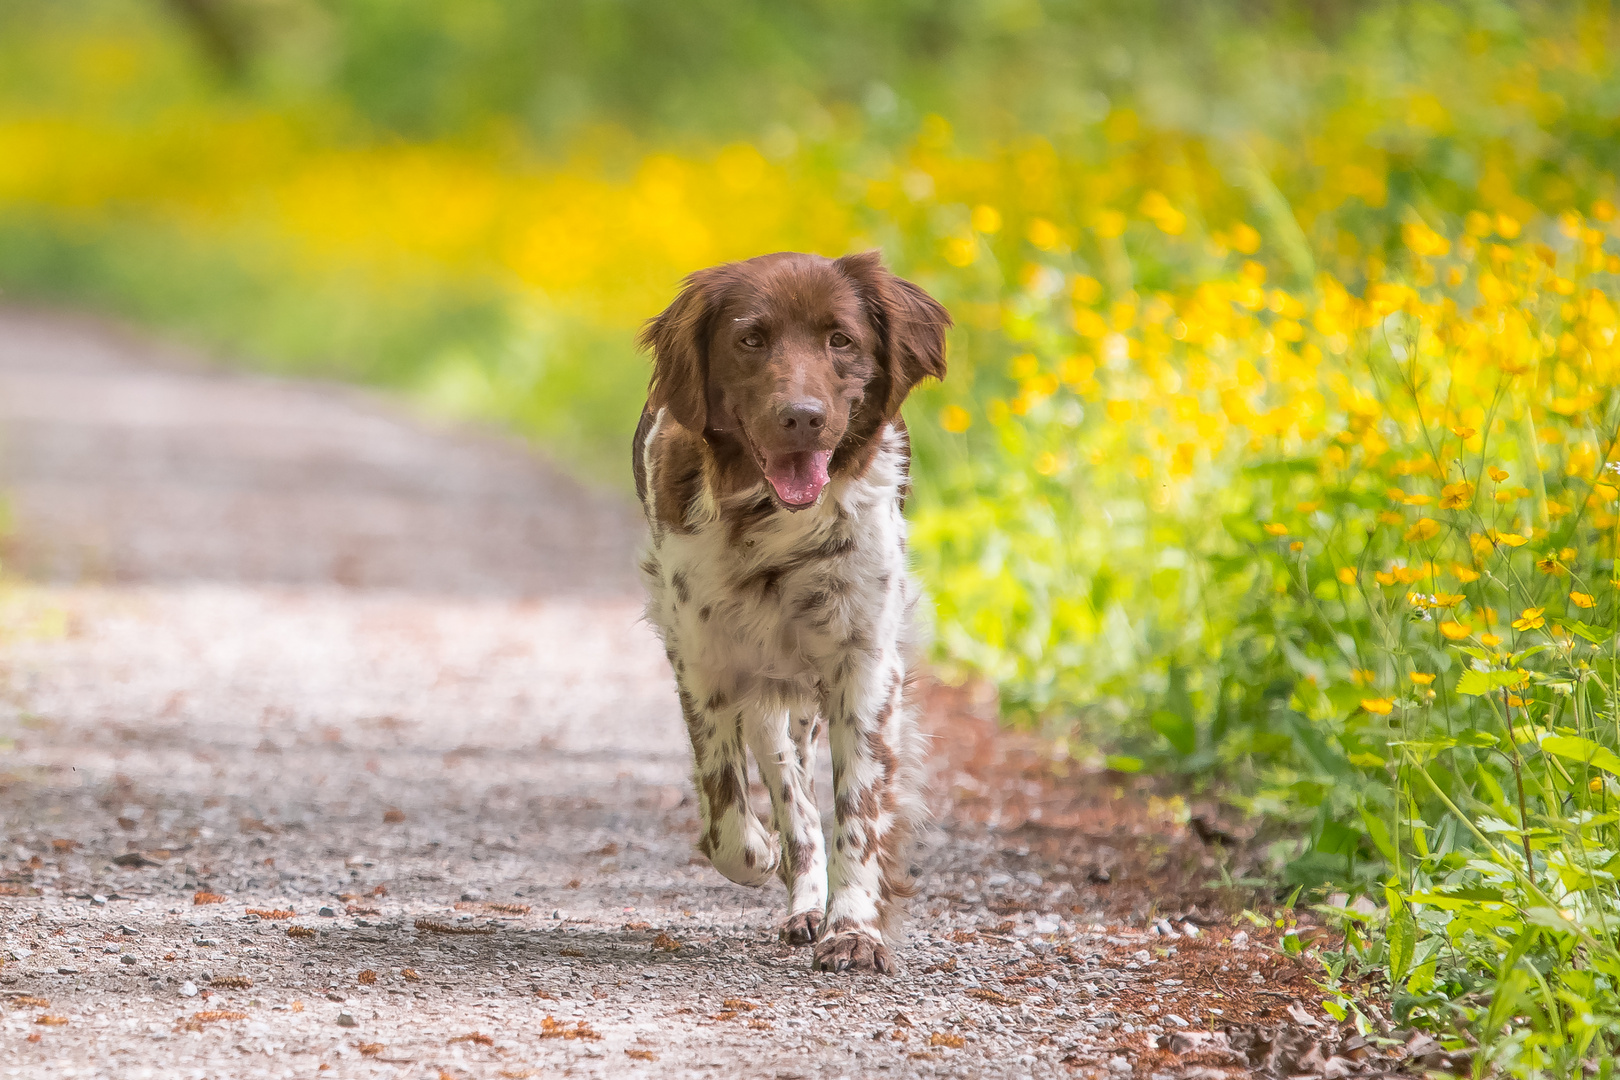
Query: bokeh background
[[1283, 392]]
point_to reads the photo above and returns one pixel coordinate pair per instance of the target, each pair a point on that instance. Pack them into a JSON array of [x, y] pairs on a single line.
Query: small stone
[[99, 900], [345, 1020], [67, 970], [1176, 1020], [127, 958], [1119, 1065], [556, 914], [335, 996], [327, 913], [1240, 940], [188, 989], [473, 894]]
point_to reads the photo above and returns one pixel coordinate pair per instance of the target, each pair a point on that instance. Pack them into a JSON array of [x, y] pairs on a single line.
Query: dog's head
[[796, 360]]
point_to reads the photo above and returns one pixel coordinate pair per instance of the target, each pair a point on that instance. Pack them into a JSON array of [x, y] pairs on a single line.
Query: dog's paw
[[802, 929], [855, 951]]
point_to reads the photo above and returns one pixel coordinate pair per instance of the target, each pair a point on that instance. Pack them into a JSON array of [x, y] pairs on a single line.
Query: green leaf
[[1379, 832], [1475, 683], [1178, 731], [1575, 748], [1371, 761], [1597, 635], [1402, 936], [1122, 763]]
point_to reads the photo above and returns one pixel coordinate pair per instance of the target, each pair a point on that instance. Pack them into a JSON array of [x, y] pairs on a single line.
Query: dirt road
[[337, 749]]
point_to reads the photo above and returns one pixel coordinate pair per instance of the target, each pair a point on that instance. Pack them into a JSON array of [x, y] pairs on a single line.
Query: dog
[[772, 464]]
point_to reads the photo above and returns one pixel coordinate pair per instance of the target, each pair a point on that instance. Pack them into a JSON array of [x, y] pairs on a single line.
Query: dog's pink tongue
[[798, 478]]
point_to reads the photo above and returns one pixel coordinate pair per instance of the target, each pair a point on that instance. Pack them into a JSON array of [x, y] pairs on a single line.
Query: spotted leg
[[733, 839], [784, 750], [876, 763]]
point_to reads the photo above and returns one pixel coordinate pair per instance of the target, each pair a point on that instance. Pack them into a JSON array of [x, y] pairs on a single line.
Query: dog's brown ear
[[911, 325], [679, 341]]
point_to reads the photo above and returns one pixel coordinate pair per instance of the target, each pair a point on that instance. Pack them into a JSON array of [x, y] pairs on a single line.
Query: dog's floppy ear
[[911, 325], [679, 341]]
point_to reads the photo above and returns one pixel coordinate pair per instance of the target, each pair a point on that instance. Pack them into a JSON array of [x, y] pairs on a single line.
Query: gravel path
[[337, 749]]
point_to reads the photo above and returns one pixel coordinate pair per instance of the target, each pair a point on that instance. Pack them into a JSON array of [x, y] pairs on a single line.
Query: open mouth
[[797, 477]]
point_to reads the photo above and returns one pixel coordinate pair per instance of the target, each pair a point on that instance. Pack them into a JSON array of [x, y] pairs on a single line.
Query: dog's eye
[[839, 340], [755, 340]]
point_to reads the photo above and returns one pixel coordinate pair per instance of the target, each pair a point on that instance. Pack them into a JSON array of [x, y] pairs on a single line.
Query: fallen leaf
[[202, 896], [570, 952], [666, 943], [51, 1021], [297, 1006], [370, 1049], [635, 927], [231, 982], [272, 913], [434, 926], [608, 848], [301, 931], [551, 1029], [367, 977], [474, 1037], [410, 975], [761, 1025], [393, 816], [737, 1004], [64, 846], [945, 1038], [995, 997], [27, 1001], [641, 1055]]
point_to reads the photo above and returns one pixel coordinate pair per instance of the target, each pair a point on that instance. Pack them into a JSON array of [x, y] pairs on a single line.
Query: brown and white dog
[[772, 464]]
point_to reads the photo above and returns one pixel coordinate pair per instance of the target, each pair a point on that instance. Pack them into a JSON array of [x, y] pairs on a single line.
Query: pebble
[[1176, 1020], [129, 959], [345, 1020], [1118, 1065], [473, 894], [188, 989], [327, 912]]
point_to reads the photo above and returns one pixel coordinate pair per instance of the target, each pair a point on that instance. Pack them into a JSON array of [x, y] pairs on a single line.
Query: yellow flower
[[1463, 432], [1595, 785], [1391, 517], [1383, 578], [1515, 700], [1363, 676], [1276, 529], [1463, 573], [1550, 565], [1347, 574], [1424, 529], [1582, 600], [1490, 641], [1496, 474], [1381, 706], [1446, 599], [955, 419], [1297, 545], [1454, 630], [1422, 678], [1530, 619], [1456, 496], [1511, 539]]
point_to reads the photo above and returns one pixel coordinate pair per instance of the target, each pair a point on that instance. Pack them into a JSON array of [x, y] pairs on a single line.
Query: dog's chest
[[787, 594]]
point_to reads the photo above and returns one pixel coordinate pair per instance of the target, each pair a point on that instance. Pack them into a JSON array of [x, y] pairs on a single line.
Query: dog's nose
[[801, 417]]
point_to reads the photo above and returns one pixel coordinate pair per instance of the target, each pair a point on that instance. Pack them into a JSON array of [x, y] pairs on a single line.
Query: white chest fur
[[792, 601]]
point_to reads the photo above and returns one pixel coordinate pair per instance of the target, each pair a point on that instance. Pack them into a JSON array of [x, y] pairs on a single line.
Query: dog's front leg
[[733, 839], [875, 760], [784, 748]]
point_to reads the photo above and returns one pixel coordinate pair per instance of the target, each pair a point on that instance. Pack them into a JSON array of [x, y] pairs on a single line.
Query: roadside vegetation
[[1279, 451]]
